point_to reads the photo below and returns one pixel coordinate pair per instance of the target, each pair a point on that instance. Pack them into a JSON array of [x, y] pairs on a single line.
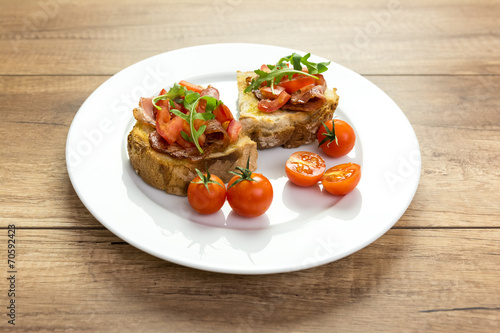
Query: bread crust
[[173, 175], [289, 129]]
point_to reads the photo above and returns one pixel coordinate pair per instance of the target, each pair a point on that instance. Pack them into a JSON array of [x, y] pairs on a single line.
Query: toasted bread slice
[[289, 129], [173, 175]]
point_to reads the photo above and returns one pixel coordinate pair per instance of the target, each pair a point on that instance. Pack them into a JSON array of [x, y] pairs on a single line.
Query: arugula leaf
[[281, 70], [191, 100], [274, 77], [173, 93]]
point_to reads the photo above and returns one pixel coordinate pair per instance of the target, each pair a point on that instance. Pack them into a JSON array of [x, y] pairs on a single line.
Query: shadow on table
[[164, 291]]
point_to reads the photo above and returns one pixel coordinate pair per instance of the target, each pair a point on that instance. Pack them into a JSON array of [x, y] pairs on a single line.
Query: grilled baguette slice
[[289, 129], [174, 175]]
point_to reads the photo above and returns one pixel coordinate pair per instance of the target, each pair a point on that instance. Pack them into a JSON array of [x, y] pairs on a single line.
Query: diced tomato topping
[[197, 123], [233, 130], [223, 114], [187, 144], [202, 104], [170, 130], [163, 92], [268, 105], [265, 68], [177, 106], [296, 83], [190, 86], [164, 103], [273, 93]]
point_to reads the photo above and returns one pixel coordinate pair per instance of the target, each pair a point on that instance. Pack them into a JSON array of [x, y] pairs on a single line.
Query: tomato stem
[[205, 180], [244, 174]]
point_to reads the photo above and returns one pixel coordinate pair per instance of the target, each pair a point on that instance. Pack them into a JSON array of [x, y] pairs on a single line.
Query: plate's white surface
[[304, 226]]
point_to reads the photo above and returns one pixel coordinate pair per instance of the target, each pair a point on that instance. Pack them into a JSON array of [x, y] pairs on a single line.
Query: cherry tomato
[[338, 141], [304, 168], [342, 179], [268, 105], [206, 193], [249, 194]]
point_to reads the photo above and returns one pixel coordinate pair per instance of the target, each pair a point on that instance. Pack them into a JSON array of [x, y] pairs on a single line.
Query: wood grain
[[458, 132], [436, 270], [91, 281], [376, 37]]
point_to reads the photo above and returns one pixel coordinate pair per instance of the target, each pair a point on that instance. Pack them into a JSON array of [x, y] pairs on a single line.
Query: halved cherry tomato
[[233, 130], [249, 194], [342, 179], [206, 194], [268, 105], [296, 83], [191, 86], [222, 113], [304, 168], [271, 93], [338, 142]]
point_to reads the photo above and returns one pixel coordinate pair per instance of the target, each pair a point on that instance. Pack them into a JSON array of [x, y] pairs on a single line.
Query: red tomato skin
[[250, 198], [170, 130], [205, 202], [345, 136], [191, 86], [305, 168], [233, 130], [349, 175], [223, 114], [268, 105], [297, 83]]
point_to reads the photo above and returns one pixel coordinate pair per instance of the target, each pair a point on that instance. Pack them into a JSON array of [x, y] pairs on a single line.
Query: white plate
[[304, 227]]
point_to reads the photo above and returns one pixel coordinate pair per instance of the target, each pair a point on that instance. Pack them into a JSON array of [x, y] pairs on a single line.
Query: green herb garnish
[[244, 174], [205, 180], [174, 94], [329, 135], [190, 100], [281, 70]]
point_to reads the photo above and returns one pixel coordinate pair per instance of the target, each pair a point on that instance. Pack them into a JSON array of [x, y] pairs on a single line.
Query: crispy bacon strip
[[303, 95], [216, 134]]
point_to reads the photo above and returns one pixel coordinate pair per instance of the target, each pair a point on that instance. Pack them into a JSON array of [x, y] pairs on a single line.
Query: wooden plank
[[376, 37], [91, 281], [456, 122], [36, 115]]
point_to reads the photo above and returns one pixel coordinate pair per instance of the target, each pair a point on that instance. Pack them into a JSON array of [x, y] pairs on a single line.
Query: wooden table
[[436, 270]]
